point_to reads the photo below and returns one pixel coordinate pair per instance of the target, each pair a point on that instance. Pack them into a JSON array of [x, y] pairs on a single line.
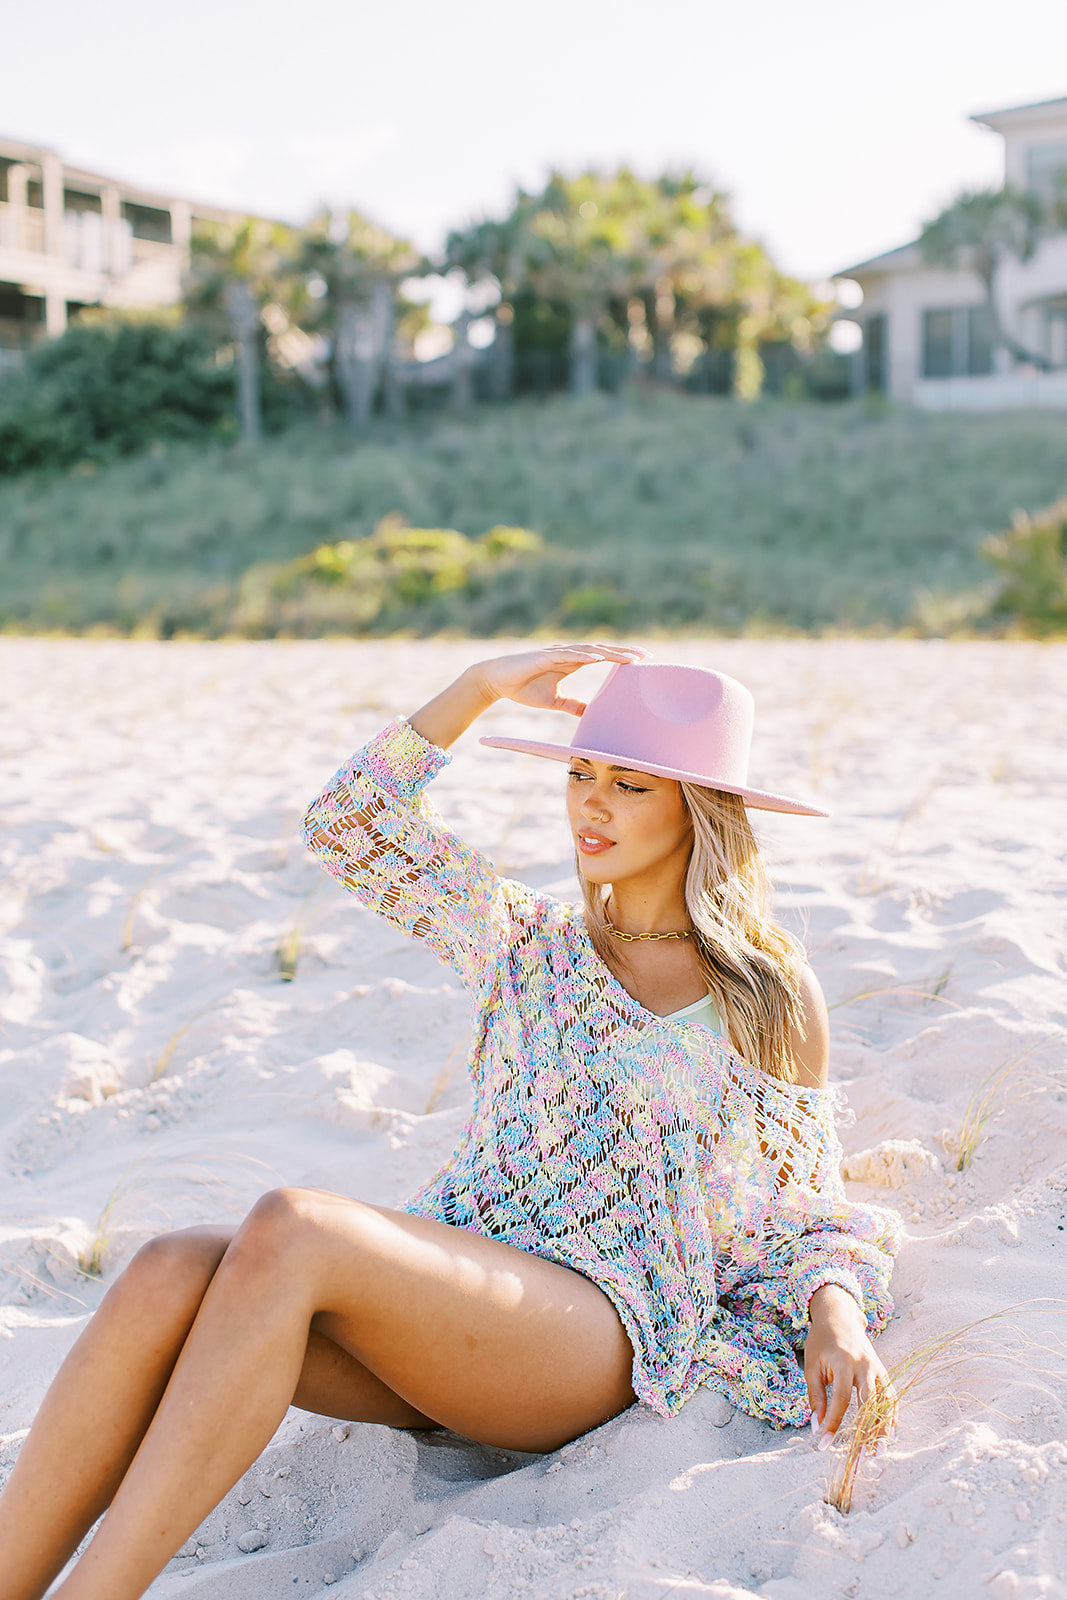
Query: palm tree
[[582, 247], [492, 253], [687, 236], [360, 266], [981, 230], [235, 272]]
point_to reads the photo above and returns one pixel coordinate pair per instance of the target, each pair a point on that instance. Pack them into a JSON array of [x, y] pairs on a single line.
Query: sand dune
[[158, 1069]]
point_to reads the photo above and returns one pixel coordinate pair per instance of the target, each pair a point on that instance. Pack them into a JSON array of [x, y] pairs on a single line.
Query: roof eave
[[901, 259], [1017, 114]]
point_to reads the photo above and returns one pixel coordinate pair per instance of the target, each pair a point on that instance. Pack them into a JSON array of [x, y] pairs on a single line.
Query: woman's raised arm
[[531, 678]]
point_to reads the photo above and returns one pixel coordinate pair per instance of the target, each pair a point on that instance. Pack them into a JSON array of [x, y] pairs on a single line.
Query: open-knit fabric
[[703, 1197]]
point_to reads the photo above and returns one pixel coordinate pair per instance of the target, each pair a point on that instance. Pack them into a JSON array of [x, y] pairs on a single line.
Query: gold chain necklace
[[630, 937]]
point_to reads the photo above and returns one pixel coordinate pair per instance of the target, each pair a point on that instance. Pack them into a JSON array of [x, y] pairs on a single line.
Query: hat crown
[[687, 718]]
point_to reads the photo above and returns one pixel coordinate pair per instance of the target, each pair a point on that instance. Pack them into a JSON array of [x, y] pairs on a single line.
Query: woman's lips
[[593, 844]]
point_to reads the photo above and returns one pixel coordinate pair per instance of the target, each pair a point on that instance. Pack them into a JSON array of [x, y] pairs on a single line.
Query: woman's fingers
[[830, 1395], [840, 1395], [816, 1380], [615, 652], [532, 677]]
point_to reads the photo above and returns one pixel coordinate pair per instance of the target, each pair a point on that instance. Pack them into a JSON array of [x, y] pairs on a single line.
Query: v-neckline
[[579, 922], [832, 1093]]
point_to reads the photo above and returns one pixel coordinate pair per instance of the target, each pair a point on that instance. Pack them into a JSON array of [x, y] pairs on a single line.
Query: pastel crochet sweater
[[703, 1197]]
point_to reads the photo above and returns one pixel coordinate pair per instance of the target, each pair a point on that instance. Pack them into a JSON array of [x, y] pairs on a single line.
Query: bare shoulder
[[812, 1050]]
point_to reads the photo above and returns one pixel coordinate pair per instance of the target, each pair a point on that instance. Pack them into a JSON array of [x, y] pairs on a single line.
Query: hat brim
[[761, 799]]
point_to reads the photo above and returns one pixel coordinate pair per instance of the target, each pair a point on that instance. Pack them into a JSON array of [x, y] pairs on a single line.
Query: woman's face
[[627, 826]]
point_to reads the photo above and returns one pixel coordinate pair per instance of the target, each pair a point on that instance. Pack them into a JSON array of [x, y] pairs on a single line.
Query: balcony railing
[[21, 227], [87, 240], [150, 249]]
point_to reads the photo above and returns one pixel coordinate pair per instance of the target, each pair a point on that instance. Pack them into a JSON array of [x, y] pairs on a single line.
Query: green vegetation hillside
[[653, 510]]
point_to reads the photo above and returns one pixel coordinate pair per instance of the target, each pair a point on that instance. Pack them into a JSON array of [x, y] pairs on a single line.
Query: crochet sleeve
[[374, 829], [787, 1227]]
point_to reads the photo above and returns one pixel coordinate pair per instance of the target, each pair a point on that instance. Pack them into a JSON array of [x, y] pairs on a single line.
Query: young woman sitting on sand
[[646, 1198]]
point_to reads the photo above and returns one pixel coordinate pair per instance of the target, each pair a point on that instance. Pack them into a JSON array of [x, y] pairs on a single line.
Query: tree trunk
[[748, 370], [243, 315], [636, 336], [1001, 336], [355, 371], [363, 337], [583, 351], [502, 365], [395, 399], [461, 393], [662, 330]]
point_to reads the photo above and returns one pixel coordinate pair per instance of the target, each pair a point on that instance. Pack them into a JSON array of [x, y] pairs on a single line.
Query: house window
[[1046, 164], [979, 341], [875, 353], [1056, 335], [957, 342], [937, 344], [147, 222]]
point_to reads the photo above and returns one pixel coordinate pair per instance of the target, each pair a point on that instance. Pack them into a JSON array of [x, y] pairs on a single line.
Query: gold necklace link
[[683, 933]]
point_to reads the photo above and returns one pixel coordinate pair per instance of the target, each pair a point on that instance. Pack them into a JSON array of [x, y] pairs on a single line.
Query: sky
[[836, 127]]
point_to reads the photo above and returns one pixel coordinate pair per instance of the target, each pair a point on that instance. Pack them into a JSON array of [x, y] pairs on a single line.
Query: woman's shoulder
[[810, 1044]]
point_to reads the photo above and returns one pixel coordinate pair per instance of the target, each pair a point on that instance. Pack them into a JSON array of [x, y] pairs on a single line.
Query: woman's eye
[[631, 788], [578, 775]]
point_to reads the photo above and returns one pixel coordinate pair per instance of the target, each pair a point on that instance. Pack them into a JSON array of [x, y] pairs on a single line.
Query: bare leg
[[502, 1346], [103, 1398]]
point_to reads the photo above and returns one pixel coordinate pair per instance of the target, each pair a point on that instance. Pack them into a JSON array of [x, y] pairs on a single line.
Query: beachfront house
[[926, 334], [71, 238]]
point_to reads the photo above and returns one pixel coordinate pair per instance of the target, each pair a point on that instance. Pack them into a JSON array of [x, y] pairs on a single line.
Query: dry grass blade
[[926, 1366], [292, 943], [52, 1290], [445, 1076], [933, 993], [91, 1259], [1012, 1080], [206, 1174], [166, 1055], [126, 942]]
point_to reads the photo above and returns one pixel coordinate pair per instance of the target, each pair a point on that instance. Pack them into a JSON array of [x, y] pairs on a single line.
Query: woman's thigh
[[501, 1346]]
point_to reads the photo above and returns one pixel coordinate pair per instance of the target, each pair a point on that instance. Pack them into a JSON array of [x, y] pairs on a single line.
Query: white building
[[926, 334], [71, 238]]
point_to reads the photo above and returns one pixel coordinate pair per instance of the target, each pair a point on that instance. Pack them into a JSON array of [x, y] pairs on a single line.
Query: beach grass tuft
[[1010, 1082], [930, 1370], [291, 946], [930, 992], [145, 1187], [162, 1062]]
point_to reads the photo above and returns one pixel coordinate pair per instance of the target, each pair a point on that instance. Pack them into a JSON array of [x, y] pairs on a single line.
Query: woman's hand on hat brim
[[532, 677]]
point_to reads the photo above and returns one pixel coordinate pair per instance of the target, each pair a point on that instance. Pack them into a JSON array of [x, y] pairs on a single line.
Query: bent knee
[[174, 1266], [281, 1216]]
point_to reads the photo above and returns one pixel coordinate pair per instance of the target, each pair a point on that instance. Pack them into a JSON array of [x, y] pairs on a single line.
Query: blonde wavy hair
[[751, 965]]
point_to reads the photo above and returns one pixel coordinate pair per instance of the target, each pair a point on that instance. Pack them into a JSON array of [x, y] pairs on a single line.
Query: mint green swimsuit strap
[[702, 1010]]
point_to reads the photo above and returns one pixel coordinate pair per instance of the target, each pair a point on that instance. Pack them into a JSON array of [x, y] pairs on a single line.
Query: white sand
[[152, 795]]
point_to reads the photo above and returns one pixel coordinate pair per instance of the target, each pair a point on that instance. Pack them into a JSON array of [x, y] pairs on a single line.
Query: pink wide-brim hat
[[687, 723]]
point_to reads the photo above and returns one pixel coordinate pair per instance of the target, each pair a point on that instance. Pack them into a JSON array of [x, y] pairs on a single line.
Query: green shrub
[[106, 389], [676, 511], [396, 578], [1031, 558], [113, 386], [596, 605]]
